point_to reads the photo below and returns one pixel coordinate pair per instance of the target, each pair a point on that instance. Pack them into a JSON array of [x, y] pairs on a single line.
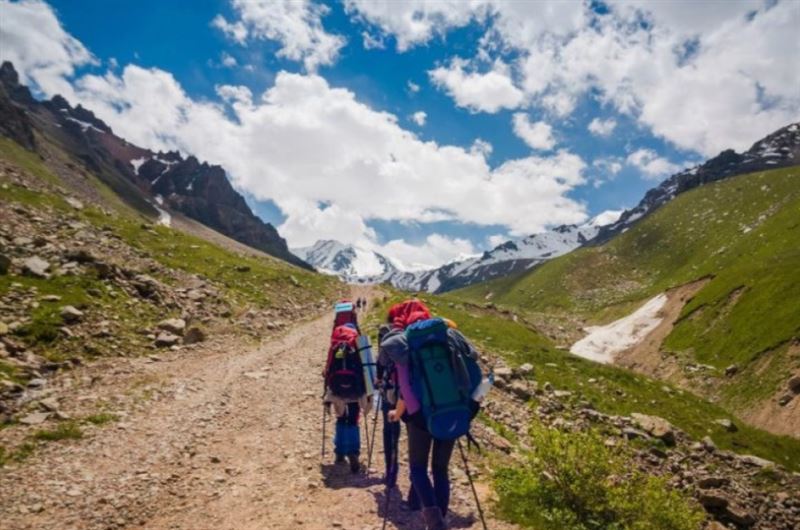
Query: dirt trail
[[232, 443]]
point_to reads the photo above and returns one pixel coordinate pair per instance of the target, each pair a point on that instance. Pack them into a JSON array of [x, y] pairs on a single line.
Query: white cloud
[[32, 38], [228, 60], [538, 135], [611, 165], [295, 24], [236, 31], [651, 165], [704, 77], [496, 240], [607, 217], [372, 42], [419, 117], [235, 94], [436, 250], [481, 147], [602, 128], [412, 87], [487, 92]]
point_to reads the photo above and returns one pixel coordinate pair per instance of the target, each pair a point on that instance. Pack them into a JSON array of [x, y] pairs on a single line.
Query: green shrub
[[69, 430], [573, 481], [101, 418]]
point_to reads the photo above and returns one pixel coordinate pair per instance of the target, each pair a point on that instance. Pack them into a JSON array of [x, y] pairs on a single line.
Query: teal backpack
[[442, 380]]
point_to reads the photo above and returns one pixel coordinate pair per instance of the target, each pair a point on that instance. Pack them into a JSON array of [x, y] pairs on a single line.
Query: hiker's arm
[[398, 411]]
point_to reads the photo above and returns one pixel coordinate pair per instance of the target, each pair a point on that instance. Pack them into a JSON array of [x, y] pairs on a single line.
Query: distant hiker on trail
[[437, 374]]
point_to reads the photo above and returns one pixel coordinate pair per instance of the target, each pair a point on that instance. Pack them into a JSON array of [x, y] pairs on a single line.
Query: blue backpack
[[443, 380]]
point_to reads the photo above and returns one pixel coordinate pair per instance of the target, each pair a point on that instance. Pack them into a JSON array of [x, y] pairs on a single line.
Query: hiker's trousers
[[347, 439], [421, 447]]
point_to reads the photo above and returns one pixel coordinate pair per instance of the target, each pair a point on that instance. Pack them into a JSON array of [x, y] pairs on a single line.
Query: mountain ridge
[[146, 180]]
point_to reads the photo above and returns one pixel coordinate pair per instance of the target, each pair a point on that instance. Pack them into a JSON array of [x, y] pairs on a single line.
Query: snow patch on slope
[[603, 342]]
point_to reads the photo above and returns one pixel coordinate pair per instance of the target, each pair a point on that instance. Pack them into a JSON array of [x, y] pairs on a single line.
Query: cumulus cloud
[[285, 145], [478, 91], [228, 60], [295, 24], [538, 135], [611, 165], [603, 128], [419, 117], [436, 250], [652, 166], [704, 77], [372, 42], [32, 38], [412, 87]]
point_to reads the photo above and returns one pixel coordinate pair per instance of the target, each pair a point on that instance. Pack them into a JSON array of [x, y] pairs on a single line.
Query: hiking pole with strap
[[471, 483], [378, 404]]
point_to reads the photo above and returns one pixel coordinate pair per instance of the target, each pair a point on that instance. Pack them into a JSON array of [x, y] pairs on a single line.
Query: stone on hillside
[[37, 382], [193, 335], [5, 264], [727, 424], [242, 268], [731, 370], [712, 482], [756, 461], [174, 325], [785, 399], [35, 418], [70, 314], [36, 267], [740, 516], [712, 500], [656, 427], [49, 404], [504, 372], [526, 369], [166, 339], [521, 390], [51, 298], [708, 444], [75, 203], [145, 285], [794, 384], [80, 255]]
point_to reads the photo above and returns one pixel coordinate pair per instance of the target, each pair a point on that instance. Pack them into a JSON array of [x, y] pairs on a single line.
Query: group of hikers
[[426, 375]]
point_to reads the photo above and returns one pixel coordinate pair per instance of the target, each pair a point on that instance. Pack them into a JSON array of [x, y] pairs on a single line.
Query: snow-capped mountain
[[352, 263], [356, 264]]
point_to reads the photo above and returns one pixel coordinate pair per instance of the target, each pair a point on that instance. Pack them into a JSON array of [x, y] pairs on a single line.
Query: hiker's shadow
[[402, 517], [338, 476]]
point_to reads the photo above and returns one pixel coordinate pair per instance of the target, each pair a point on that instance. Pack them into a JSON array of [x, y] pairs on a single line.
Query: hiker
[[387, 385], [346, 393], [345, 313], [428, 430]]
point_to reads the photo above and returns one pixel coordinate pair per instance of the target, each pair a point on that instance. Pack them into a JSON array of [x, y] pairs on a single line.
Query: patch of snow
[[84, 125], [603, 342], [160, 200], [137, 163], [164, 218]]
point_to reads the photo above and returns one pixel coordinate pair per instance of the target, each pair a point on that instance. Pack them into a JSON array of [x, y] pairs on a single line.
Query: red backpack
[[344, 375]]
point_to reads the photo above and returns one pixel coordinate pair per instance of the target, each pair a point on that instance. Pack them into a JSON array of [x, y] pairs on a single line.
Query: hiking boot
[[355, 465], [339, 459], [433, 518]]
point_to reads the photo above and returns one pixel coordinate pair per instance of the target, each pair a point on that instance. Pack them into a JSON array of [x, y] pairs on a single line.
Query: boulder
[[504, 372], [75, 203], [731, 370], [166, 339], [656, 427], [739, 516], [35, 418], [36, 267], [794, 384], [526, 369], [520, 389], [70, 314], [785, 399], [756, 461], [146, 286], [713, 500], [173, 325], [727, 424]]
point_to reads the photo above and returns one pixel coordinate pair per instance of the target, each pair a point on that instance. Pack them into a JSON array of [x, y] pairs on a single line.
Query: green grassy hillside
[[609, 389], [743, 233]]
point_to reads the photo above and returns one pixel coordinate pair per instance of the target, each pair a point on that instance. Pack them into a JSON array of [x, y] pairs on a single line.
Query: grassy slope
[[269, 283], [613, 390], [744, 231]]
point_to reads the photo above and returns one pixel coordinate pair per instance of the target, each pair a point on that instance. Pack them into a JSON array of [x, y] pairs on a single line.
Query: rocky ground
[[227, 437], [737, 491]]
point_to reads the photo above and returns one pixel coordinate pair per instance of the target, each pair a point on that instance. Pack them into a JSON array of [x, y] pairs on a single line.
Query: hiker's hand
[[394, 416]]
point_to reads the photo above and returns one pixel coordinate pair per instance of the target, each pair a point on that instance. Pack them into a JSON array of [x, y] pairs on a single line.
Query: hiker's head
[[406, 313]]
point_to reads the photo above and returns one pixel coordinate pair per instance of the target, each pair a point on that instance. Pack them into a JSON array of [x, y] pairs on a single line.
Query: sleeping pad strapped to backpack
[[345, 373], [443, 380]]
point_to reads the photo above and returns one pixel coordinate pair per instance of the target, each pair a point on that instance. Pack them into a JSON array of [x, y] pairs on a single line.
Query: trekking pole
[[388, 487], [366, 434], [472, 484], [324, 423], [378, 404]]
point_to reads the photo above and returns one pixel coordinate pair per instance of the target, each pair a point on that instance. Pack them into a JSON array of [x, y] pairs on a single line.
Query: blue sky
[[559, 70]]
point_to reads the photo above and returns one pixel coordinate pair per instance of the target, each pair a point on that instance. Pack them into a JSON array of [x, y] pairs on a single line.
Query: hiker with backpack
[[346, 393], [437, 374], [387, 386]]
